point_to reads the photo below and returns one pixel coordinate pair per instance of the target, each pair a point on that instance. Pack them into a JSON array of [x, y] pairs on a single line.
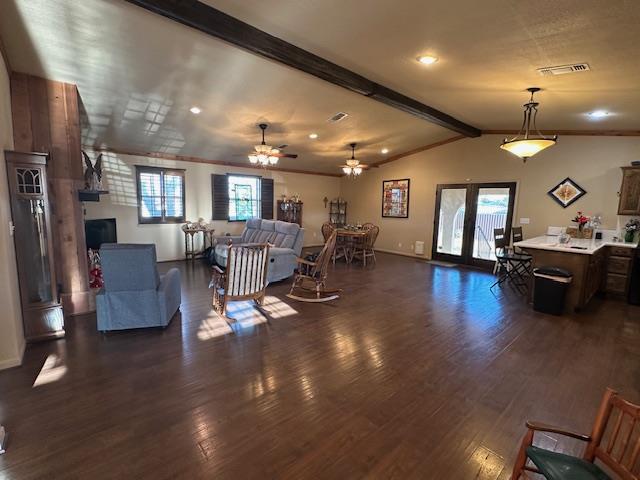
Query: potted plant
[[581, 220], [630, 229]]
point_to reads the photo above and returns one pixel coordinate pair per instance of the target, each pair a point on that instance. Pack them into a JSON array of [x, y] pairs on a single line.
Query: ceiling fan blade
[[285, 155]]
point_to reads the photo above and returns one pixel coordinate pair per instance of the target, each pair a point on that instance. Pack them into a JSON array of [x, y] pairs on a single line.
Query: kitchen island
[[589, 261]]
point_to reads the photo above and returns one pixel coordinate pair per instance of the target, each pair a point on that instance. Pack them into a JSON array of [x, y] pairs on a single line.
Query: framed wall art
[[566, 192], [395, 198]]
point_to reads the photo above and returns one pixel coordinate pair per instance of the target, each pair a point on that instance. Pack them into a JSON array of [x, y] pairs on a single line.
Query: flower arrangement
[[631, 228], [581, 220]]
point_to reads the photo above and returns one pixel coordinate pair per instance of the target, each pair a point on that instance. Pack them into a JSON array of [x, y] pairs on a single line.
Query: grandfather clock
[[41, 310]]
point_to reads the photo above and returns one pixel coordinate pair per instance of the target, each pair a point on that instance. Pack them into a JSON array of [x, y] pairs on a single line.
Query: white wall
[[121, 203], [11, 332], [593, 162]]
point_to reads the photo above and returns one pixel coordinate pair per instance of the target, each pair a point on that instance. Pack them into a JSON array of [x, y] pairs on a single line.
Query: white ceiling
[[139, 73]]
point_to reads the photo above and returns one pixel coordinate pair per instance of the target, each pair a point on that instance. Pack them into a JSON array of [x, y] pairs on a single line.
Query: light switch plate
[[524, 221]]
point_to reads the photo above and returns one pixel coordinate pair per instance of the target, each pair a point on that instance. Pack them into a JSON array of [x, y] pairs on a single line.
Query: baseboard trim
[[14, 362], [403, 254]]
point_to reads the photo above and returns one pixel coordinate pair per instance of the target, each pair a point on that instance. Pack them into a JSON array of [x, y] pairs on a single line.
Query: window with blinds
[[244, 197], [161, 195], [236, 198]]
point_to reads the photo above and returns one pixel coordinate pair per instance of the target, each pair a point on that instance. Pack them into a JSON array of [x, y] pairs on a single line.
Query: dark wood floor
[[418, 371]]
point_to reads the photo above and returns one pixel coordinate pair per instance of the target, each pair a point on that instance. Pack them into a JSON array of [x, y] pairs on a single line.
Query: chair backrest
[[372, 235], [327, 230], [246, 270], [516, 234], [500, 239], [368, 225], [128, 267], [324, 258], [615, 438]]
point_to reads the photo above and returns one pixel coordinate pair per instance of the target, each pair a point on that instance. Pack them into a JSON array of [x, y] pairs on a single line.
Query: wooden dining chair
[[365, 249], [327, 229], [309, 283], [243, 278], [614, 441]]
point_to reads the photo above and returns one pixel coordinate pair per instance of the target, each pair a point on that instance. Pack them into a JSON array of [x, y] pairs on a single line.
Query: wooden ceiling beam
[[218, 24]]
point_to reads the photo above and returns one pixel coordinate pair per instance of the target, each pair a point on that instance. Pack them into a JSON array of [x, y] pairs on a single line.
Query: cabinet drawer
[[616, 283], [619, 265], [621, 251]]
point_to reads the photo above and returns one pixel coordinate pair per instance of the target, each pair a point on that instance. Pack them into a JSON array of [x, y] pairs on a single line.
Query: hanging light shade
[[353, 167], [526, 144]]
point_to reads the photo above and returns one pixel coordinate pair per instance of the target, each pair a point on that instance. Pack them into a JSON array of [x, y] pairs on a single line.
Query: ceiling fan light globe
[[253, 159], [273, 160], [346, 170], [357, 170]]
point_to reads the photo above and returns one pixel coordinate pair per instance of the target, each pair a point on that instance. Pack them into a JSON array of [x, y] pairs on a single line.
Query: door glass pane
[[493, 204], [451, 223], [31, 235]]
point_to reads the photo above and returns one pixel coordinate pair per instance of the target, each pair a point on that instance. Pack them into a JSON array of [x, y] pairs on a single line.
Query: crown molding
[[185, 158], [584, 133], [393, 158]]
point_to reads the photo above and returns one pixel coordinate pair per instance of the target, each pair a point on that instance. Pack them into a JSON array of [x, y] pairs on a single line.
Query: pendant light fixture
[[526, 144], [353, 167]]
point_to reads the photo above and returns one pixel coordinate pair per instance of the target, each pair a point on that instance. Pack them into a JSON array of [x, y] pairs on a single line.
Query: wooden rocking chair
[[614, 441], [309, 282], [244, 278]]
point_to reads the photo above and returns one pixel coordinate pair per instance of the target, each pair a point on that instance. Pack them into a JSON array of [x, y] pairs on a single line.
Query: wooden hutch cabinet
[[630, 191]]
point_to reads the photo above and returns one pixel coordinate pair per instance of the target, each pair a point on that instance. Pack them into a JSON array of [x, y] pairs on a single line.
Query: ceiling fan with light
[[353, 167], [264, 154]]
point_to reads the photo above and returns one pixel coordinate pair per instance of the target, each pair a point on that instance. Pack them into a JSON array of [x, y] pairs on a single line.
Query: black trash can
[[550, 289]]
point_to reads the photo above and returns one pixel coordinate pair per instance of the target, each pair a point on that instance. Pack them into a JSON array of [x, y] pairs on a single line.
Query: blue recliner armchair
[[134, 294]]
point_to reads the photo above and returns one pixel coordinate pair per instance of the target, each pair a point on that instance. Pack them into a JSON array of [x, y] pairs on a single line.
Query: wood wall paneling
[[46, 119]]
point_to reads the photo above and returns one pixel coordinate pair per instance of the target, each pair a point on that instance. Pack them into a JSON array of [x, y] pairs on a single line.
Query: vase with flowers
[[630, 229], [581, 220]]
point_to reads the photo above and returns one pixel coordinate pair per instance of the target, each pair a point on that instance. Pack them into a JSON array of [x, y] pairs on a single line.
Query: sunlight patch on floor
[[244, 315], [52, 371]]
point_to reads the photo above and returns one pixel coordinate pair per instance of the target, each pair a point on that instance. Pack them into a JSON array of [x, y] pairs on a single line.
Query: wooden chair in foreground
[[310, 277], [244, 278], [614, 441]]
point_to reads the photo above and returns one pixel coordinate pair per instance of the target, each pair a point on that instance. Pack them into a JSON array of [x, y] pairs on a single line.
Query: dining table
[[348, 239]]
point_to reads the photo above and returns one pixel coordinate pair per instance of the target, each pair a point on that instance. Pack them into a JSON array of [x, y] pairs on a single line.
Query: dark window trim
[[228, 174], [162, 171]]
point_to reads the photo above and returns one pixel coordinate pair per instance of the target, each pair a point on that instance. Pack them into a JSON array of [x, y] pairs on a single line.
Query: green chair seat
[[558, 466]]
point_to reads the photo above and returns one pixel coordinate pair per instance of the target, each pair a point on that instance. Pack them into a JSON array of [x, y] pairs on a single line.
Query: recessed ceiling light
[[427, 59], [195, 110], [313, 136], [384, 151], [598, 114]]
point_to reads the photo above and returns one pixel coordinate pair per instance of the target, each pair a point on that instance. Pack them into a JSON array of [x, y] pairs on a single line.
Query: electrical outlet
[[411, 247], [315, 234], [399, 245]]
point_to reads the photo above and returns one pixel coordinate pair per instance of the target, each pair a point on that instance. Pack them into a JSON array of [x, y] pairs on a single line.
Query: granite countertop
[[575, 245]]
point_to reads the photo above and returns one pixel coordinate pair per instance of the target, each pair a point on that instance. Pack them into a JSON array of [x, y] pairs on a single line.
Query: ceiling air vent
[[337, 117], [563, 69]]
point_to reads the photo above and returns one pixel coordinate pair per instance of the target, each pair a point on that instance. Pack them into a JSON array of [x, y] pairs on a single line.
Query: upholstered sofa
[[285, 237], [134, 294]]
